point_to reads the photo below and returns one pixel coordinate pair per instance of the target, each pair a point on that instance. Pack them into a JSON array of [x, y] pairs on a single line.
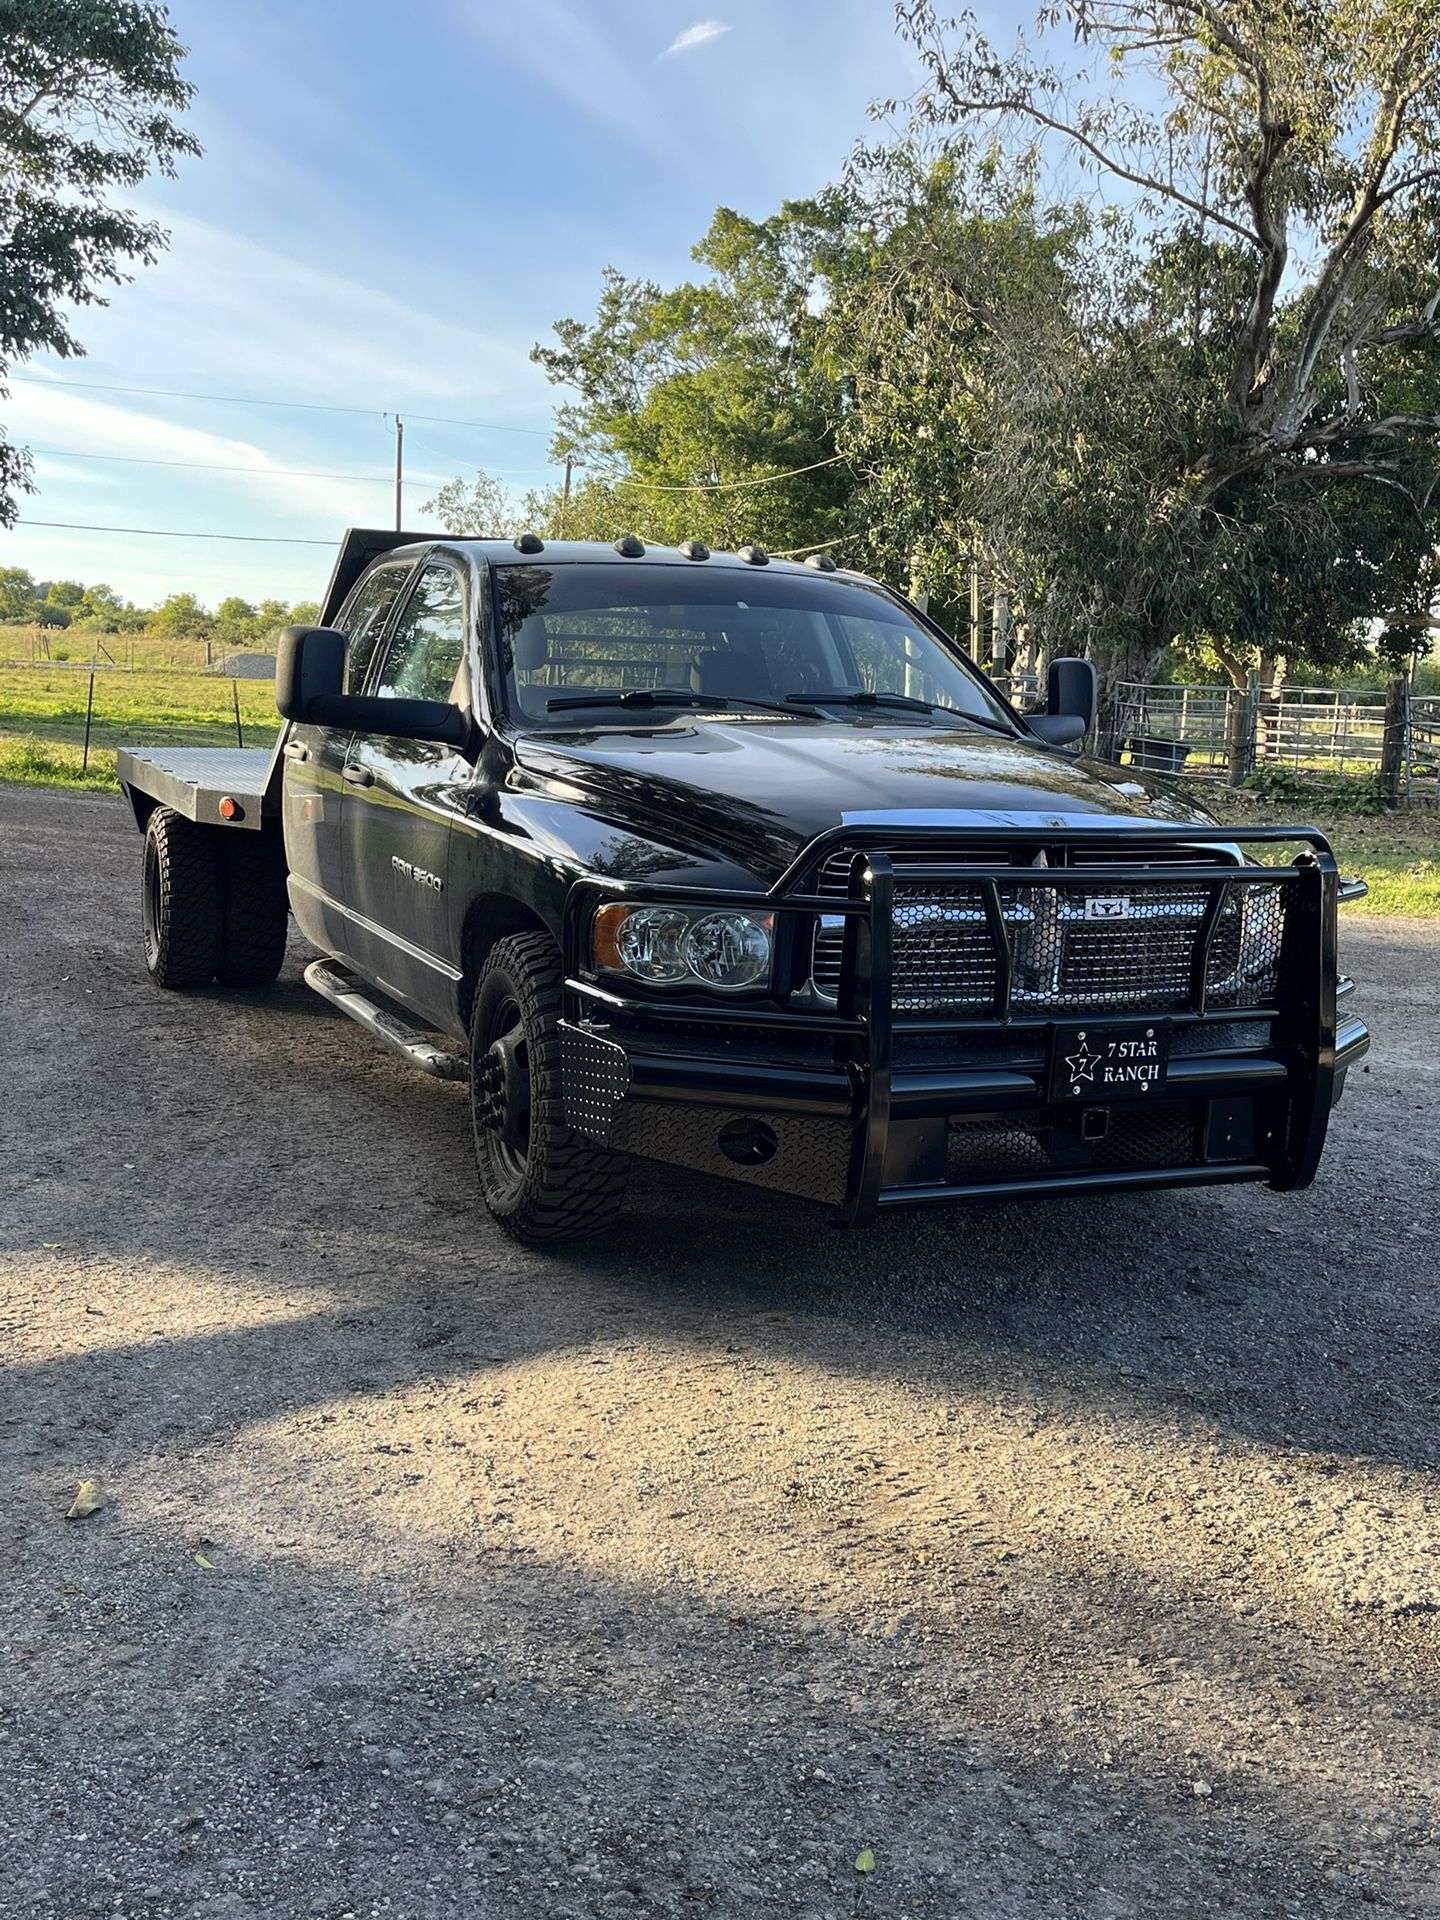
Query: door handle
[[358, 776], [296, 750]]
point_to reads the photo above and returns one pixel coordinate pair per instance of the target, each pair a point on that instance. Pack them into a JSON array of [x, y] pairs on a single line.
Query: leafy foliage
[[705, 410], [1260, 305], [88, 94], [1338, 793]]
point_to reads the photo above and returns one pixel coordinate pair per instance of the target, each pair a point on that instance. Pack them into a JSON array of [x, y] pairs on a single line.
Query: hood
[[758, 794]]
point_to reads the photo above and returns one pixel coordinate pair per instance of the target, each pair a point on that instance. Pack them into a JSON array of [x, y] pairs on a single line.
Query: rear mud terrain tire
[[541, 1182], [257, 913], [182, 900]]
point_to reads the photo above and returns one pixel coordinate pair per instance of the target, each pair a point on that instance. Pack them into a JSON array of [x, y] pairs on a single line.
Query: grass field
[[42, 718], [39, 647]]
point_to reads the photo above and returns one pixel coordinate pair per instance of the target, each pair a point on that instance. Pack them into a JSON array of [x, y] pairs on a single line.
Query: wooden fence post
[[1392, 746], [89, 709]]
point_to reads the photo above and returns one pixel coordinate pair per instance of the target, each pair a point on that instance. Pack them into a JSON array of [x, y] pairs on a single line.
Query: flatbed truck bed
[[196, 782]]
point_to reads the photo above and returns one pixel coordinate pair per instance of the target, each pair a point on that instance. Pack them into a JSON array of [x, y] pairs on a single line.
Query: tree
[[69, 594], [88, 94], [703, 409], [949, 289], [182, 617], [18, 598], [1279, 209], [479, 509]]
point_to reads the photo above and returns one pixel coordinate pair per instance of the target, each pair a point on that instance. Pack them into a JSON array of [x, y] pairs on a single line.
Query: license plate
[[1105, 1060]]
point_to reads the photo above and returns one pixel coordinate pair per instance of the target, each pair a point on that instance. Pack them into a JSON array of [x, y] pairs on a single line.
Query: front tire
[[182, 900], [540, 1181]]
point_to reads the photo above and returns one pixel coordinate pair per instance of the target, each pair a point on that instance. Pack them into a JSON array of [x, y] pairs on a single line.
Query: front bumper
[[867, 1109]]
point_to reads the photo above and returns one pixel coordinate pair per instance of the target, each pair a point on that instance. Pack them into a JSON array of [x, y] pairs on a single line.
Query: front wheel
[[540, 1181]]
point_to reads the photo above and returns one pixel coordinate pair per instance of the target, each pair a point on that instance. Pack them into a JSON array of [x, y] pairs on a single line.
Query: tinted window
[[364, 621], [428, 643], [759, 635]]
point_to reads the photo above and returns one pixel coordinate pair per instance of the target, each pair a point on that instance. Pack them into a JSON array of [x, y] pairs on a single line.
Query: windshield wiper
[[863, 697], [677, 697]]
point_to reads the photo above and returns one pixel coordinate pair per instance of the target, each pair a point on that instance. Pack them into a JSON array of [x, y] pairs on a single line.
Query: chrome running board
[[342, 990]]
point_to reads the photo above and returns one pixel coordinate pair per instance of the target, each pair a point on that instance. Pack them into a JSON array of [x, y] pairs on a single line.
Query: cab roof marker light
[[755, 556], [821, 562], [694, 550], [529, 543], [630, 546]]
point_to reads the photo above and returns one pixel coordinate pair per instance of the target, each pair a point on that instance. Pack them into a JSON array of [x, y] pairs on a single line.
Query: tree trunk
[[1118, 663]]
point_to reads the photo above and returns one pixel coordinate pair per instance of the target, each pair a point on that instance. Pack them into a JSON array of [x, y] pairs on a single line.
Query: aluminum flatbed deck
[[194, 780]]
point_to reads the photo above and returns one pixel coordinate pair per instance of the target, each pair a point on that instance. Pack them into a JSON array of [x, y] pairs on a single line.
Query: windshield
[[670, 635]]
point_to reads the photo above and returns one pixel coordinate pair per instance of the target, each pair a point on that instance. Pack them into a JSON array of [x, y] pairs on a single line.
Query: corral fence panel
[[1227, 733]]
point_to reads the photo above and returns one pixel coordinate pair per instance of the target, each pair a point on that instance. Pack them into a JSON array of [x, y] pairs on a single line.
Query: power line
[[181, 533], [729, 486], [251, 400]]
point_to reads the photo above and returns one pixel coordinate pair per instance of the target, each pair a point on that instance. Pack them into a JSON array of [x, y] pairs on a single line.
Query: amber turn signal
[[608, 922]]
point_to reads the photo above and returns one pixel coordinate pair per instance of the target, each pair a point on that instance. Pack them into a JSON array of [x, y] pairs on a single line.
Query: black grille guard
[[1296, 1071]]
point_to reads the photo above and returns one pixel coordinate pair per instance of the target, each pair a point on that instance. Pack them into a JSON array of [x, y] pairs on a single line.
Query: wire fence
[[91, 710]]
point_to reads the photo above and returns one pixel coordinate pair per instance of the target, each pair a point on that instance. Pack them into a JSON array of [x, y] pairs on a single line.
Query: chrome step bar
[[343, 990]]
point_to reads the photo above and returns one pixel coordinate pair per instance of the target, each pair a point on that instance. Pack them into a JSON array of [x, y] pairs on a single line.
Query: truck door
[[314, 765], [400, 799]]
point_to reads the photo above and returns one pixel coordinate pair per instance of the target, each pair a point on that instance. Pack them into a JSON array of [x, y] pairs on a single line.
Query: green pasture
[[150, 706]]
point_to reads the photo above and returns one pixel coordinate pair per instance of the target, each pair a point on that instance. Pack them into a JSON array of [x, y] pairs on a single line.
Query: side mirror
[[309, 665], [1070, 702], [309, 675], [398, 719]]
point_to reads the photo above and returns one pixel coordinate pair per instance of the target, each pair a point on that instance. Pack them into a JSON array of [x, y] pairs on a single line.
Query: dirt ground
[[1079, 1560]]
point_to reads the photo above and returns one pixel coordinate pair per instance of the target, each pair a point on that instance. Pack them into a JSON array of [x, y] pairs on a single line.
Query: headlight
[[723, 949]]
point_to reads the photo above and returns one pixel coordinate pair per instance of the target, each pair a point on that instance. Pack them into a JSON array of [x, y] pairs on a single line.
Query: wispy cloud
[[700, 35]]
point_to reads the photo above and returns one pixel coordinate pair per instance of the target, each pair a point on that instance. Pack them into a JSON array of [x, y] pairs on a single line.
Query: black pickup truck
[[741, 865]]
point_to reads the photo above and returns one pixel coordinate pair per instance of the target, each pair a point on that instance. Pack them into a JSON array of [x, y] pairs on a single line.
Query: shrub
[[1337, 792]]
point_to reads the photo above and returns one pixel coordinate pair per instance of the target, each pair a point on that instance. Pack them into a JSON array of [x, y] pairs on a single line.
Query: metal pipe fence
[[1227, 733]]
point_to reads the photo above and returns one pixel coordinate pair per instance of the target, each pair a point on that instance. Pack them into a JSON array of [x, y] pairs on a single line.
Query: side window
[[364, 621], [428, 643]]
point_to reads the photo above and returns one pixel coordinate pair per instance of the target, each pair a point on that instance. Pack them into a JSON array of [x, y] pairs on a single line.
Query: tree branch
[[1029, 110]]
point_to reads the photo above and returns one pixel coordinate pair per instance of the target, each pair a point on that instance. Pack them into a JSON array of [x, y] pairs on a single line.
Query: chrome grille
[[1065, 960]]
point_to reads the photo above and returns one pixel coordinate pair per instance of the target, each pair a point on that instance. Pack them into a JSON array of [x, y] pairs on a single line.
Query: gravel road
[[1073, 1561]]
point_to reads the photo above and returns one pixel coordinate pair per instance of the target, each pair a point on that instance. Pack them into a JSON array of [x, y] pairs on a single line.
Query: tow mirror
[[1069, 703], [310, 676], [433, 720], [309, 665]]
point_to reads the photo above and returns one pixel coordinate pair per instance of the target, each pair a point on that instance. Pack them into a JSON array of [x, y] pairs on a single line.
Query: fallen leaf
[[201, 1561], [865, 1861], [52, 1246], [89, 1498]]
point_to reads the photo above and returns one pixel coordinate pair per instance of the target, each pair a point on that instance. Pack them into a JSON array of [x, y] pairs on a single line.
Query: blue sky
[[394, 204]]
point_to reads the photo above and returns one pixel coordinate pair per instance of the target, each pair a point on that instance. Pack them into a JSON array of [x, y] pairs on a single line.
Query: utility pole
[[565, 498], [399, 470]]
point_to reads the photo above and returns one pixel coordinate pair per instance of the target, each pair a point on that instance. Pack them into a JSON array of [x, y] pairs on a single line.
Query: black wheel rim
[[502, 1093], [150, 896]]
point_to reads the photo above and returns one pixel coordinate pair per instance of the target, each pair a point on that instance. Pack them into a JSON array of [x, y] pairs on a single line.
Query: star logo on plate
[[1082, 1065]]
